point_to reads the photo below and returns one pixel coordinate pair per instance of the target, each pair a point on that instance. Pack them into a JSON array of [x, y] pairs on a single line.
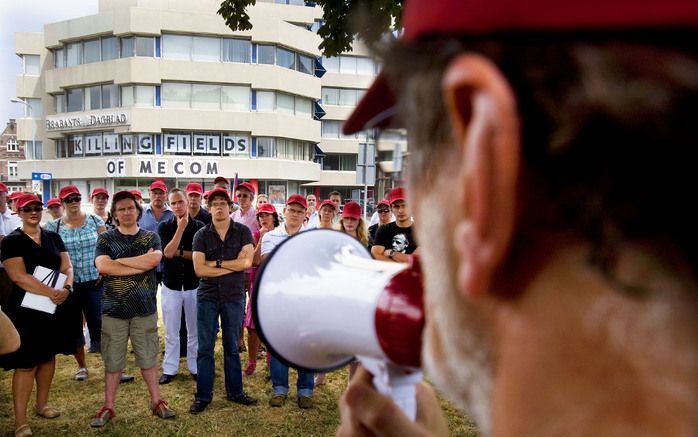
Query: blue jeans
[[89, 298], [231, 314], [279, 379]]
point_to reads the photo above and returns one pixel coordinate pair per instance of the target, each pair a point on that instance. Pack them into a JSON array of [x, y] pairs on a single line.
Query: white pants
[[172, 302]]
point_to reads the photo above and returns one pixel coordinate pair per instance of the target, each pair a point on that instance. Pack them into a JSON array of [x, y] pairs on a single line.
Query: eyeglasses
[[72, 199], [383, 211], [29, 209], [243, 195]]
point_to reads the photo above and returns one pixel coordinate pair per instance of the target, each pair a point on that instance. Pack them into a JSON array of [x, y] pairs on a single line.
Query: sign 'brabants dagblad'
[[86, 121]]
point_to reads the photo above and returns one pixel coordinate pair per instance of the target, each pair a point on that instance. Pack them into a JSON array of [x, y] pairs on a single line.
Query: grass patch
[[79, 401]]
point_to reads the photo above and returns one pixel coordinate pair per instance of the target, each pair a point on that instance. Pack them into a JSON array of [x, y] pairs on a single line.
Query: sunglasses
[[29, 209], [383, 211], [72, 199]]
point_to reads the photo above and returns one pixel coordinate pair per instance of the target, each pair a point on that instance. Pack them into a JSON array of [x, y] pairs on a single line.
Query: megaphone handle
[[397, 383]]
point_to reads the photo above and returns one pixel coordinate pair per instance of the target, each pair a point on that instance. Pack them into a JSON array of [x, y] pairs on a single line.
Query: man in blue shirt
[[155, 213]]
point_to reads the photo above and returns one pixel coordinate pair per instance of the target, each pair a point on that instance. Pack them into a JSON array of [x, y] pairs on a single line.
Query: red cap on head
[[424, 18], [68, 190], [3, 188], [99, 190], [13, 196], [351, 210], [136, 193], [221, 179], [26, 198], [247, 186], [383, 202], [219, 192], [396, 194], [297, 198], [158, 185], [193, 188], [54, 201], [266, 207], [328, 202]]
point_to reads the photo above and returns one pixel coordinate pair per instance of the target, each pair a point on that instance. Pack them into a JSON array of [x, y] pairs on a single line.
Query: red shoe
[[251, 366]]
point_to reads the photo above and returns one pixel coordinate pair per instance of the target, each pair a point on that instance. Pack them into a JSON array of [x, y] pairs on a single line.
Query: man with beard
[[551, 177], [394, 241], [179, 283]]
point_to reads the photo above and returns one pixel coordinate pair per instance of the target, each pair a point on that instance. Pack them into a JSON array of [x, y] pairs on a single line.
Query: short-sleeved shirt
[[228, 287], [128, 296], [177, 272], [391, 236], [275, 237], [203, 216], [81, 243], [248, 218]]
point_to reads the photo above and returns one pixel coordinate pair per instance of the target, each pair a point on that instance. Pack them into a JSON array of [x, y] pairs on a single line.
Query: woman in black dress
[[40, 332]]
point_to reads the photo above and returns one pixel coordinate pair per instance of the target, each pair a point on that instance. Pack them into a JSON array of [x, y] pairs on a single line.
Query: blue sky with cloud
[[28, 16]]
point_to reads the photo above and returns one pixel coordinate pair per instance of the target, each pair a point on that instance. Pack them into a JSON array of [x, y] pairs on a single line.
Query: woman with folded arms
[[79, 232], [40, 332]]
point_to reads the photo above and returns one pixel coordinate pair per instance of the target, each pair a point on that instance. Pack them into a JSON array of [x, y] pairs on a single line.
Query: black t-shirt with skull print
[[391, 236]]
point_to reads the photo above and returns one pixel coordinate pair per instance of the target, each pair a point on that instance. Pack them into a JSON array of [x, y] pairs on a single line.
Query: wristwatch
[[218, 263], [68, 287]]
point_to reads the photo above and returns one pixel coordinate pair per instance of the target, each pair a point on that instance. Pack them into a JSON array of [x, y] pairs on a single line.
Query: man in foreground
[[551, 181], [222, 251], [127, 257]]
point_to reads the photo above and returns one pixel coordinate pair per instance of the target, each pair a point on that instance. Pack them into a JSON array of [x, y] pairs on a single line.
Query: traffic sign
[[42, 176]]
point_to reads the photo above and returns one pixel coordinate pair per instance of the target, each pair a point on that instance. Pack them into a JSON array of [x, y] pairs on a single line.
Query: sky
[[28, 16]]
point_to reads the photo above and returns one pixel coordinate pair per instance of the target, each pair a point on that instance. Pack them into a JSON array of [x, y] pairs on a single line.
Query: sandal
[[23, 431], [251, 366], [162, 410], [102, 417], [81, 374], [47, 412]]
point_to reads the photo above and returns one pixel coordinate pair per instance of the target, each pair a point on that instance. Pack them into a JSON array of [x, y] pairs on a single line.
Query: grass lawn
[[78, 401]]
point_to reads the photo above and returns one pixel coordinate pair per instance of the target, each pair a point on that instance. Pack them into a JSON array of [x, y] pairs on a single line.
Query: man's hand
[[365, 412], [59, 295], [183, 222]]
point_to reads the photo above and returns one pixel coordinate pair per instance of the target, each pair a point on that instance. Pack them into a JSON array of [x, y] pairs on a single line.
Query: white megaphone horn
[[320, 300]]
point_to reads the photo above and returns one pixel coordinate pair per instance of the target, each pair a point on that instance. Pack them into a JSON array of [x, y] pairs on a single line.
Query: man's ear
[[485, 126]]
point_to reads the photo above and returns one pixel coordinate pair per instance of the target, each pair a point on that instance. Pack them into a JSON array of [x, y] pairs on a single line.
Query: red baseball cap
[[13, 196], [135, 192], [246, 185], [396, 194], [221, 179], [219, 192], [383, 202], [27, 198], [328, 202], [194, 188], [351, 210], [99, 190], [54, 201], [158, 185], [3, 188], [297, 198], [425, 18], [266, 208], [68, 190]]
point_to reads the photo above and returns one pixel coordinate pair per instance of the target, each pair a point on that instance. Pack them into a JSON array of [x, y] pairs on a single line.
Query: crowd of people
[[198, 264]]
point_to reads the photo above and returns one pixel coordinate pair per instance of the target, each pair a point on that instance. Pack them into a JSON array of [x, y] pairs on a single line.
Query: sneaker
[[198, 406], [126, 378], [305, 402], [243, 399], [166, 379], [81, 374], [162, 410], [102, 417], [277, 400], [250, 368]]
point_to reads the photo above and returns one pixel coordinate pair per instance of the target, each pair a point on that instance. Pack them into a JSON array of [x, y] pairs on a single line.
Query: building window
[[331, 128], [12, 145], [265, 101], [350, 65], [31, 64], [60, 103], [306, 64], [266, 147], [285, 58], [176, 47], [138, 95], [145, 46], [206, 96], [74, 99], [110, 48], [235, 98], [59, 58], [73, 54], [206, 49], [176, 95], [266, 54], [12, 169], [126, 46], [340, 162], [236, 50], [92, 51]]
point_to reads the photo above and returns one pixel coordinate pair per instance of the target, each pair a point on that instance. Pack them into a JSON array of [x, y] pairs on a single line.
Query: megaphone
[[321, 300]]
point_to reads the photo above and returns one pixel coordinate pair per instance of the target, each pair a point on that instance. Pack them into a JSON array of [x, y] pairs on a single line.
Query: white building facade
[[164, 89]]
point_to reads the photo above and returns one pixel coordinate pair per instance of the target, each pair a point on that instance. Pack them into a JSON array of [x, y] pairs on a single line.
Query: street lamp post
[[29, 114]]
